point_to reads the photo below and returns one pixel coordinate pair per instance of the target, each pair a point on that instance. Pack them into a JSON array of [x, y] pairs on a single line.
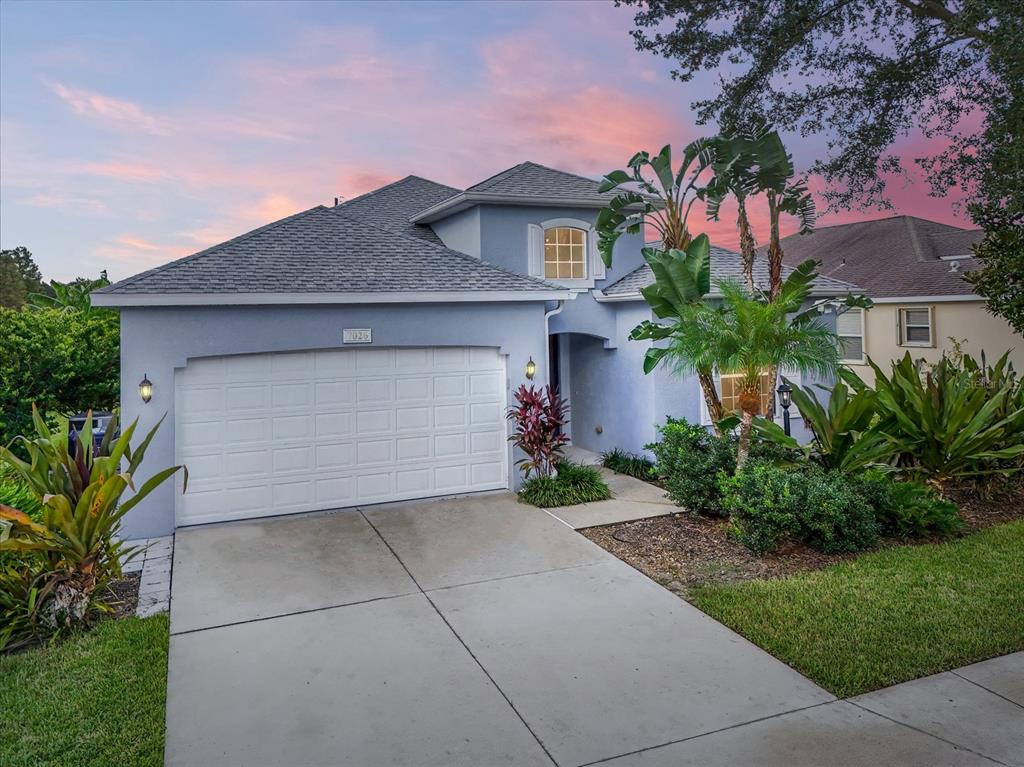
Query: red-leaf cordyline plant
[[538, 416]]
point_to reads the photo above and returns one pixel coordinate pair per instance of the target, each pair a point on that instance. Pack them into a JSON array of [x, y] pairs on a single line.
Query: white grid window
[[915, 326], [850, 329], [565, 253], [729, 392]]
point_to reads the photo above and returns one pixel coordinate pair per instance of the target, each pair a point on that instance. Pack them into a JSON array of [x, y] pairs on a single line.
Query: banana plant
[[844, 439], [682, 280], [69, 296], [662, 202]]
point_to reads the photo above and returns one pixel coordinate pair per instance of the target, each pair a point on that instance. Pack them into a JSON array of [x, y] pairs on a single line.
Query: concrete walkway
[[479, 631]]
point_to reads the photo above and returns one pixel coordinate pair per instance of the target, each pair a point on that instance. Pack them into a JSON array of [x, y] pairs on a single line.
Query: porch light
[[146, 388], [531, 368]]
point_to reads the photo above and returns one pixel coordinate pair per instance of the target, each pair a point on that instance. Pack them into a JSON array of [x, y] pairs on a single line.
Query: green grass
[[96, 699], [889, 616]]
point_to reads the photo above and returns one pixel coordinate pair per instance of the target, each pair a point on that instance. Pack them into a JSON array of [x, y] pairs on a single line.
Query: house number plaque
[[356, 335]]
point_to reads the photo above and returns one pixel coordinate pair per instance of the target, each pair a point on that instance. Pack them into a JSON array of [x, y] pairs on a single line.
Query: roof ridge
[[388, 186], [563, 172], [511, 171], [206, 251], [446, 250]]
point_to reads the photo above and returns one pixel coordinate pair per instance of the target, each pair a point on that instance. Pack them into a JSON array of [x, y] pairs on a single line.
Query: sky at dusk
[[132, 134]]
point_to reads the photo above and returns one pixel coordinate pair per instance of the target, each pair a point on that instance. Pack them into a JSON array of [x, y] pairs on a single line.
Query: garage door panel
[[371, 421], [279, 433]]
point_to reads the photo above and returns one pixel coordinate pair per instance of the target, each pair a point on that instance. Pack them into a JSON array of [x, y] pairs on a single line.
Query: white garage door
[[266, 434]]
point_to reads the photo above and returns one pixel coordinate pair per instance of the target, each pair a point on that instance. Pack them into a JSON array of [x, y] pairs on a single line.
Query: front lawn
[[889, 616], [96, 699]]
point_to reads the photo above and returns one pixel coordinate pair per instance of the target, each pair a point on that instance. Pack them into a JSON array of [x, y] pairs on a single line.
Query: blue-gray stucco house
[[368, 352]]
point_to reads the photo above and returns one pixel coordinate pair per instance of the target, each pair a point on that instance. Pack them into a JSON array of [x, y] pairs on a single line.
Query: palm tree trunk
[[748, 246], [707, 385], [773, 383], [774, 248], [743, 449]]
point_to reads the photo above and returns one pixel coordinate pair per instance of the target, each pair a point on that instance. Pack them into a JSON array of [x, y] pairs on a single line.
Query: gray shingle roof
[[528, 179], [890, 257], [324, 250], [391, 206], [725, 264]]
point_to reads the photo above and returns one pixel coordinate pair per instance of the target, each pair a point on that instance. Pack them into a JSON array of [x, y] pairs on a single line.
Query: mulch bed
[[123, 595], [685, 551]]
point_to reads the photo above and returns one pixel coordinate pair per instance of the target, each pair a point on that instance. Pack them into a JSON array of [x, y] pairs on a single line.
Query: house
[[368, 352], [913, 269]]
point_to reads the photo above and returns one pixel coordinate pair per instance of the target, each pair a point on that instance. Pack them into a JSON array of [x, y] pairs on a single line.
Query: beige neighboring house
[[913, 269]]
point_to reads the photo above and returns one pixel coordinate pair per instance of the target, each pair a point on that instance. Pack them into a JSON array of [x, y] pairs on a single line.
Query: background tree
[[19, 276], [868, 72], [70, 296]]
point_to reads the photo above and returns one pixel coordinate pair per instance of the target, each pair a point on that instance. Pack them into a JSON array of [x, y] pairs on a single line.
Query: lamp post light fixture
[[785, 399], [531, 368], [146, 388]]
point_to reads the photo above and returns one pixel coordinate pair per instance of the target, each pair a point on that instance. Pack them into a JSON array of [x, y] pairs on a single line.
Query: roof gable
[[528, 179], [391, 206], [323, 250]]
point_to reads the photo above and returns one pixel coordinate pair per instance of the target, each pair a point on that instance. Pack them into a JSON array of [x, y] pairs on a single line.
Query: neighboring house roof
[[525, 184], [898, 257], [325, 252], [391, 206], [725, 264]]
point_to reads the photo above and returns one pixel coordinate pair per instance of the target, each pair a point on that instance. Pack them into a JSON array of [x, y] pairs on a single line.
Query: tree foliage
[[19, 276], [868, 72], [65, 362]]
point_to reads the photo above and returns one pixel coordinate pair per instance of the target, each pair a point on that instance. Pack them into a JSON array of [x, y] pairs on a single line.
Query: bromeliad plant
[[844, 439], [945, 423], [538, 415], [76, 543]]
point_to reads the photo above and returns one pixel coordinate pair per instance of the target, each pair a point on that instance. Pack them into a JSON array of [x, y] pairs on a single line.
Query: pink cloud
[[116, 112], [124, 171]]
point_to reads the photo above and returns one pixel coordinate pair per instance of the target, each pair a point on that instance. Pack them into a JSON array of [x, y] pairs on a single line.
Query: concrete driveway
[[474, 631]]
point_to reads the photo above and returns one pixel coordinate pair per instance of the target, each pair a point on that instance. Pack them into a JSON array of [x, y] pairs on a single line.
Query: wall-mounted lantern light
[[146, 388], [785, 399], [531, 369]]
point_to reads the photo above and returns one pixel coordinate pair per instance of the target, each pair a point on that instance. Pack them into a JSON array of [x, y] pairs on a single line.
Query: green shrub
[[62, 361], [573, 484], [834, 517], [689, 459], [907, 509], [628, 463], [764, 503], [821, 508]]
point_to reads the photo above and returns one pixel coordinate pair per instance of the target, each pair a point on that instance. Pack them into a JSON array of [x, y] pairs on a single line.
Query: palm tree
[[747, 334]]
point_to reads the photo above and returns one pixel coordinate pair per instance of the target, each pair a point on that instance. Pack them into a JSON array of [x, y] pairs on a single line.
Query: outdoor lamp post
[[785, 399]]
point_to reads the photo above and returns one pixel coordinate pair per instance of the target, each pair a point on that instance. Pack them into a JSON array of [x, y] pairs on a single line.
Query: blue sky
[[133, 133]]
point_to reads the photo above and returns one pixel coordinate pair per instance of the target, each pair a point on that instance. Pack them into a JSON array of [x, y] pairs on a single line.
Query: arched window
[[565, 253]]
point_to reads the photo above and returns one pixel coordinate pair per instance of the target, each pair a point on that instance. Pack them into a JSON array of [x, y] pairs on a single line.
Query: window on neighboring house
[[565, 253], [729, 392], [915, 326], [850, 329]]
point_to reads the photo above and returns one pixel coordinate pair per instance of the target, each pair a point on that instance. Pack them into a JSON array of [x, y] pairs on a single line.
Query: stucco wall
[[461, 231], [608, 388], [504, 233], [156, 341], [966, 321]]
